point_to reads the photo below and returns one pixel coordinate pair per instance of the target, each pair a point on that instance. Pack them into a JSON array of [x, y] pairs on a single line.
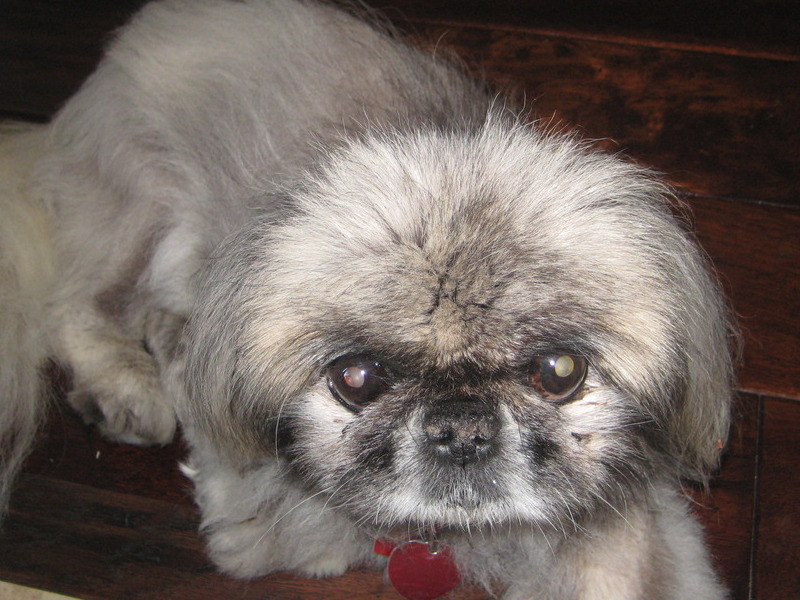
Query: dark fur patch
[[541, 448], [378, 454], [285, 433]]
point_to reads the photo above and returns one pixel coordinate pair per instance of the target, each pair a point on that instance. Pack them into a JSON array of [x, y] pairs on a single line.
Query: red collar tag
[[417, 571]]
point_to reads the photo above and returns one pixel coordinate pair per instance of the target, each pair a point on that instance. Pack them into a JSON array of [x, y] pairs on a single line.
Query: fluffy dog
[[381, 306]]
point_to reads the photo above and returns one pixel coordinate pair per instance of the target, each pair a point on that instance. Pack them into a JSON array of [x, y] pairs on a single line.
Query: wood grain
[[722, 26], [48, 48], [715, 124], [777, 566]]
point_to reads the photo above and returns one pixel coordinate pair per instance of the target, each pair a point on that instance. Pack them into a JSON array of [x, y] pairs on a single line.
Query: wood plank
[[47, 48], [716, 125], [72, 452], [778, 549], [738, 26]]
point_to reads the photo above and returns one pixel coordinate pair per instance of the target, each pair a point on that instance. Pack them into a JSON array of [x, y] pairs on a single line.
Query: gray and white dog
[[379, 304]]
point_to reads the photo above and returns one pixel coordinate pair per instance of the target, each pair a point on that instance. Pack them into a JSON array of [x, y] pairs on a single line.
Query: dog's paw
[[328, 565], [256, 544], [246, 550], [141, 420]]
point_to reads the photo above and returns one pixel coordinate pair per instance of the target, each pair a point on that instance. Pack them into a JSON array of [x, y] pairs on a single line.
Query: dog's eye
[[355, 381], [557, 377]]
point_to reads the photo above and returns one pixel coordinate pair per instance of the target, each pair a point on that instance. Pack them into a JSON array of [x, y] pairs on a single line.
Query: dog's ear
[[244, 364], [700, 424], [215, 377]]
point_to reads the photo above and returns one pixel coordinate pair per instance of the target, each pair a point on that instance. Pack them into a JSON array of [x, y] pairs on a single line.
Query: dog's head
[[466, 328]]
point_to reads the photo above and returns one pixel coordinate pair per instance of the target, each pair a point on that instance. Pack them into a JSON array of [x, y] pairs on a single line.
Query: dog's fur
[[245, 192]]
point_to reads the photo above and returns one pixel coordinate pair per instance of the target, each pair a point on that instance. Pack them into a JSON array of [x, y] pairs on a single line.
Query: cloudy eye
[[557, 377], [355, 381]]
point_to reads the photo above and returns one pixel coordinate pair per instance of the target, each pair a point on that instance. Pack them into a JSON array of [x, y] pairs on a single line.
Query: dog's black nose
[[461, 431]]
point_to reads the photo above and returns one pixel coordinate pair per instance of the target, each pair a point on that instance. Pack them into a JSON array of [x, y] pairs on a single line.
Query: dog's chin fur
[[247, 193]]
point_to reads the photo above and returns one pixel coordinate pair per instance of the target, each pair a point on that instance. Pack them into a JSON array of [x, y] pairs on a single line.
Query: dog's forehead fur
[[447, 270]]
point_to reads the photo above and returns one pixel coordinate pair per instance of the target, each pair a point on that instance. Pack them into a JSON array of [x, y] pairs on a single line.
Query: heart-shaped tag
[[419, 573]]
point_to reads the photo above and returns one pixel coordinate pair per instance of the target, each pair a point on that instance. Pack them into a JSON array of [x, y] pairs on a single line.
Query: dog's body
[[323, 203]]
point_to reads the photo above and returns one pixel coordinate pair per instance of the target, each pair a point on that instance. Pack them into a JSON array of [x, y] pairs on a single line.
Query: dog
[[396, 320]]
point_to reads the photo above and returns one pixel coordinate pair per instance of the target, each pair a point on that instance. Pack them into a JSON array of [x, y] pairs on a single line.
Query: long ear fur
[[700, 425]]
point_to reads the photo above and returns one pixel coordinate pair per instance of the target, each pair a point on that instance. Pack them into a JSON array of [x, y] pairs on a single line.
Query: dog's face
[[457, 330], [542, 439]]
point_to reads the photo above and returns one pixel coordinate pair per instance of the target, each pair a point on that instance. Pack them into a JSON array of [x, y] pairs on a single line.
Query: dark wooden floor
[[707, 92]]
